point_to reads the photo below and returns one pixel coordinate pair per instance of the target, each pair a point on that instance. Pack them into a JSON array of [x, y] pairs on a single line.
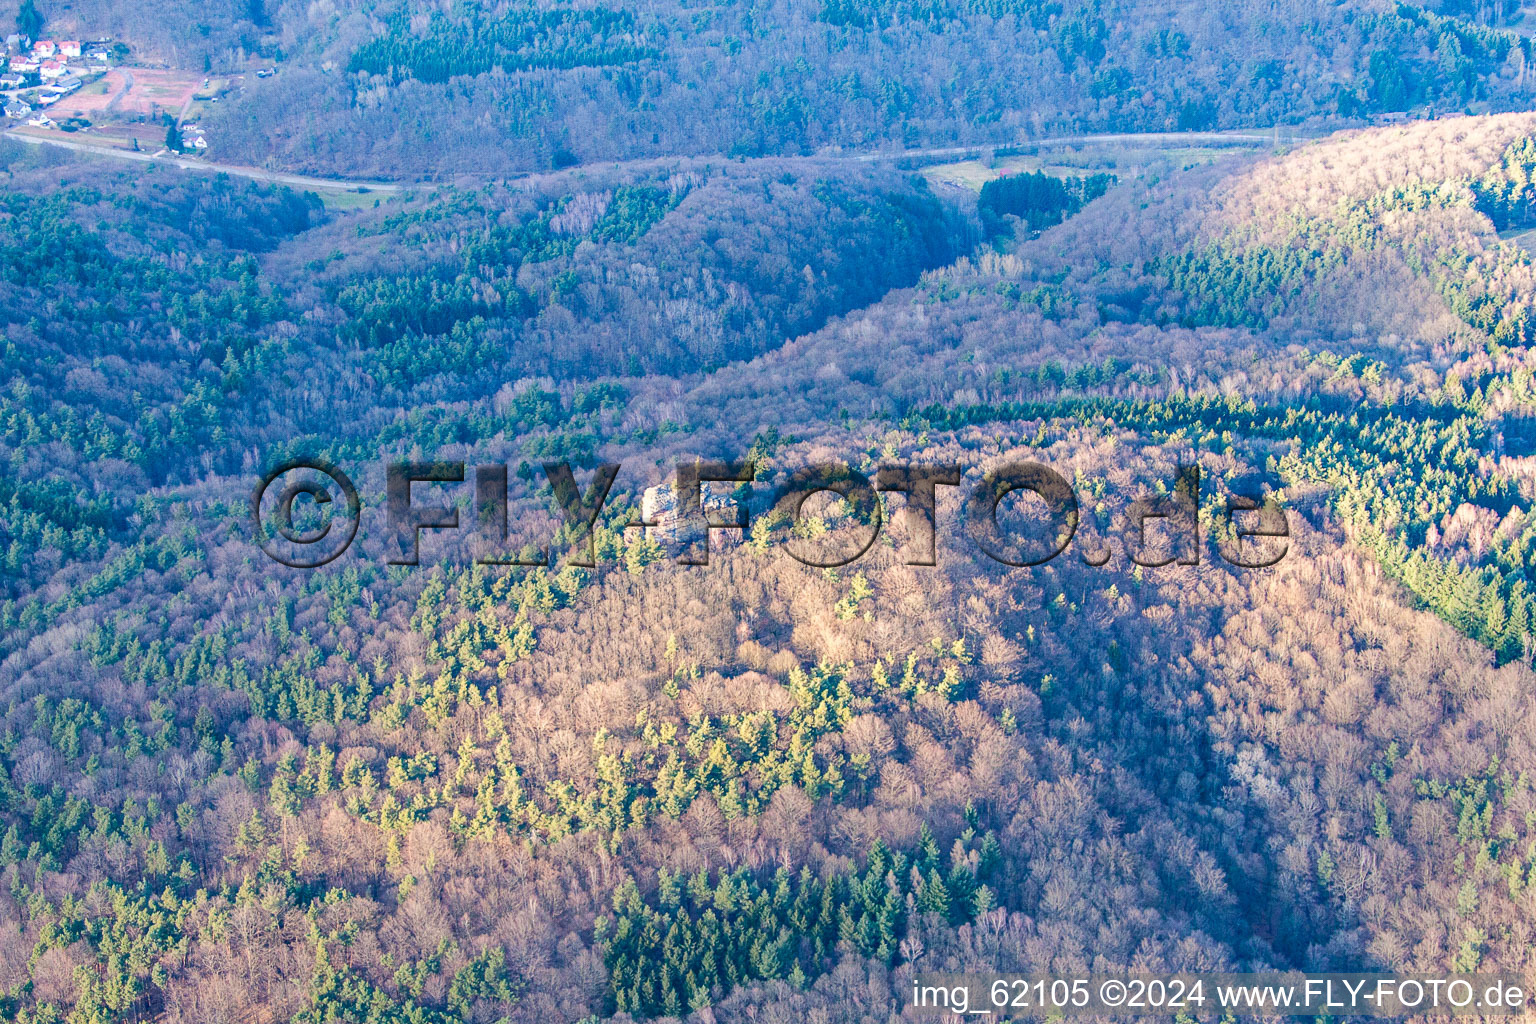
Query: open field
[[350, 199], [156, 89], [973, 174], [91, 100], [93, 140], [129, 91], [103, 85], [207, 93], [1129, 161], [150, 137]]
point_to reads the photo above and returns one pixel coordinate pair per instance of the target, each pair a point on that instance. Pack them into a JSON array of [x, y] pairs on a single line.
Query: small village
[[42, 72], [89, 87]]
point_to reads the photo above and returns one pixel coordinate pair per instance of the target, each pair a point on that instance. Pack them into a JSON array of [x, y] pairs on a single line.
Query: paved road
[[1155, 138], [296, 180], [310, 182]]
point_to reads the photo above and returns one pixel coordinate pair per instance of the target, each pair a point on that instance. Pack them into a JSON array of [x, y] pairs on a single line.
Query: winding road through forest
[[304, 181], [187, 163]]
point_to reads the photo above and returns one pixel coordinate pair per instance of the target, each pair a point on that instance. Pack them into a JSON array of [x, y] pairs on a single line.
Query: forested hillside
[[754, 789], [452, 90], [389, 89]]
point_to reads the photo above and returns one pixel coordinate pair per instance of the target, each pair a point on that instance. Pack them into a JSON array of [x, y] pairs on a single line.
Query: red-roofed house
[[23, 65], [69, 48], [44, 48], [53, 68]]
